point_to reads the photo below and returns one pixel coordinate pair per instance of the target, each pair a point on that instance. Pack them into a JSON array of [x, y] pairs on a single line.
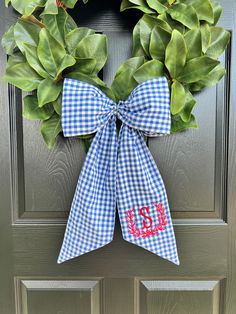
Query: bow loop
[[148, 108], [85, 108]]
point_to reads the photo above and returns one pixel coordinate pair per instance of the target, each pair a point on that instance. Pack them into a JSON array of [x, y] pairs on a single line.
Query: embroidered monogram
[[147, 229]]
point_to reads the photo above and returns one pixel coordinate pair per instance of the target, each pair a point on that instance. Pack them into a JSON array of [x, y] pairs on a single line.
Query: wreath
[[175, 38]]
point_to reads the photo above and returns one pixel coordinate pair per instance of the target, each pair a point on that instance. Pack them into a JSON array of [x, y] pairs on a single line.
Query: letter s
[[146, 208]]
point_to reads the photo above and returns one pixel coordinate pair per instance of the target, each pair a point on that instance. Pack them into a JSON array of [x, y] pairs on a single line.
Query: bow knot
[[118, 171]]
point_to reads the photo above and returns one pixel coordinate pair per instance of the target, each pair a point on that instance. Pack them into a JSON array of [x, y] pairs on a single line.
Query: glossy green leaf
[[85, 65], [26, 35], [22, 76], [32, 111], [8, 41], [184, 14], [196, 69], [217, 10], [126, 4], [149, 70], [147, 24], [48, 91], [193, 42], [137, 47], [26, 7], [50, 52], [158, 42], [219, 41], [75, 36], [55, 24], [95, 47], [176, 53], [16, 58], [124, 81], [157, 6], [57, 104], [206, 37], [190, 102], [30, 53], [177, 97], [178, 125], [210, 79], [173, 24], [50, 129], [26, 32], [66, 62], [204, 9], [50, 8]]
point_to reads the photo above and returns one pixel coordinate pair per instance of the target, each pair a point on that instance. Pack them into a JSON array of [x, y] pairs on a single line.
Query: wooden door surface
[[37, 186]]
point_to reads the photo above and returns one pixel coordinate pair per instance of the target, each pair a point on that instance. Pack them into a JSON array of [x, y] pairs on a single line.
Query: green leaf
[[178, 125], [137, 47], [204, 9], [84, 65], [57, 105], [148, 70], [26, 32], [190, 102], [158, 42], [50, 52], [124, 81], [75, 36], [176, 52], [126, 4], [157, 6], [30, 53], [8, 41], [95, 47], [22, 76], [196, 69], [50, 7], [50, 129], [16, 58], [32, 111], [173, 24], [66, 62], [219, 41], [48, 91], [185, 14], [26, 7], [177, 97], [147, 24], [217, 10], [193, 42], [26, 35], [206, 37], [211, 79], [55, 24]]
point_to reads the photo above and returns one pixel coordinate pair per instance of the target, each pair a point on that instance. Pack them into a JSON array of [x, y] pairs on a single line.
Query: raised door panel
[[50, 296], [181, 297]]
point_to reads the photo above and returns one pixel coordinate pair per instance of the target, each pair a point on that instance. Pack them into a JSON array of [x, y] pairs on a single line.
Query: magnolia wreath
[[177, 39]]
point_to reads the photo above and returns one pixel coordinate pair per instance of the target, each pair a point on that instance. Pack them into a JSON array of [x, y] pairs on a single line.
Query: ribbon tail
[[92, 216], [142, 200]]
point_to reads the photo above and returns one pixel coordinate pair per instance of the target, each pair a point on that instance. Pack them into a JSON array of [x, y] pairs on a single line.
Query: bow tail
[[142, 201], [92, 216]]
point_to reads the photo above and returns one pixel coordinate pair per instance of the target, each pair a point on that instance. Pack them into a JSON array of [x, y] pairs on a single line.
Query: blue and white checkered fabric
[[118, 169]]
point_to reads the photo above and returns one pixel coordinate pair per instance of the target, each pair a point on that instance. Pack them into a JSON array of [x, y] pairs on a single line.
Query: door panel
[[37, 186]]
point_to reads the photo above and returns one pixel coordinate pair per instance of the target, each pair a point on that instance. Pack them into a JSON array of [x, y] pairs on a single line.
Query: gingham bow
[[118, 169]]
